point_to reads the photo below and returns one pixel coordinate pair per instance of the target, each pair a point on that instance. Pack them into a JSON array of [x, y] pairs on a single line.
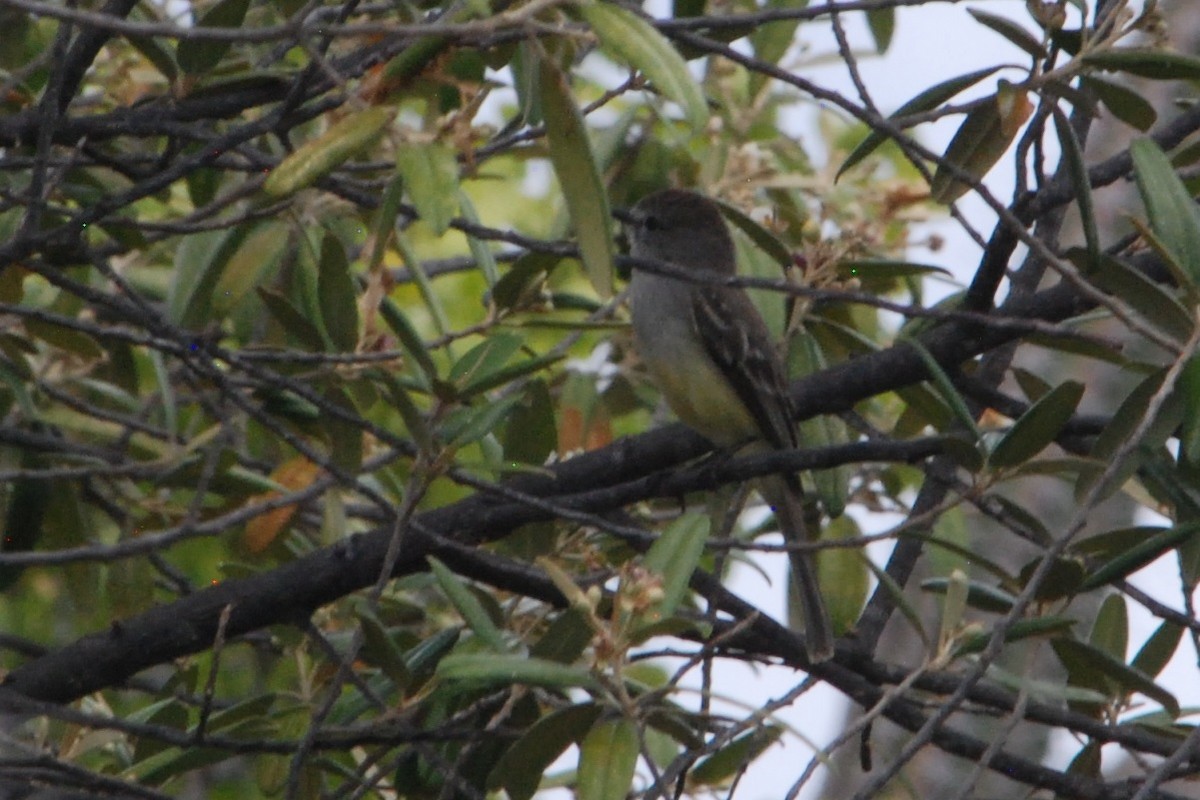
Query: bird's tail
[[785, 497]]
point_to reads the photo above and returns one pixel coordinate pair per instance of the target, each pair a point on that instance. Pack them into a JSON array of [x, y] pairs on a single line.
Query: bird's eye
[[652, 223]]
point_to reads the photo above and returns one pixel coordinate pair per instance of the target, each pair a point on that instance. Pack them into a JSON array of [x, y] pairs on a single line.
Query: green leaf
[[945, 387], [1021, 629], [1085, 664], [317, 158], [842, 574], [1145, 63], [566, 638], [201, 55], [675, 555], [1064, 579], [770, 41], [337, 295], [409, 339], [805, 356], [402, 402], [980, 141], [1077, 170], [1010, 30], [430, 174], [468, 605], [520, 769], [256, 257], [721, 766], [1110, 631], [380, 648], [767, 242], [294, 323], [900, 598], [954, 605], [578, 176], [927, 100], [484, 358], [498, 670], [607, 761], [470, 424], [344, 436], [199, 260], [480, 250], [979, 595], [1155, 303], [156, 54], [1087, 761], [1123, 424], [1125, 104], [1037, 427], [532, 435], [637, 43], [1172, 211], [1189, 437], [882, 22], [1148, 549], [1158, 650], [523, 284], [882, 269]]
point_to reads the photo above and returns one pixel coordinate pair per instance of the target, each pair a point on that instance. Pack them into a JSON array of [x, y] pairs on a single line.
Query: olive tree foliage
[[327, 468]]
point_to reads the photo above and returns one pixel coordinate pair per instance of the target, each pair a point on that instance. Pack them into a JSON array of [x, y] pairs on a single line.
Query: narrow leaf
[[258, 254], [1154, 303], [981, 140], [410, 340], [480, 250], [1125, 104], [721, 766], [768, 242], [675, 555], [1021, 629], [1077, 170], [607, 761], [1110, 631], [637, 43], [1139, 555], [1158, 650], [520, 769], [318, 157], [430, 174], [578, 176], [979, 595], [945, 387], [882, 22], [201, 55], [1038, 426], [1010, 30], [337, 296], [1172, 211], [1146, 63], [927, 100], [1189, 437], [495, 669], [468, 605], [1125, 679], [484, 358]]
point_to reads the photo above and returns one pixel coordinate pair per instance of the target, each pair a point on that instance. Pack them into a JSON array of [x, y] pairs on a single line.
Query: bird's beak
[[624, 216]]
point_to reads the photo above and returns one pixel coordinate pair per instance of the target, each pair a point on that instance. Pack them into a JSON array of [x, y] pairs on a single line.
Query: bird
[[714, 360]]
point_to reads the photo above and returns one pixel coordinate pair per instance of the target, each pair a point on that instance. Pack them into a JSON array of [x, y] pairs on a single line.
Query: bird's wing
[[737, 340]]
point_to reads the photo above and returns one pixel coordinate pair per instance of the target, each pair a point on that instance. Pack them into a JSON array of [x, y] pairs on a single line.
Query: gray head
[[683, 228]]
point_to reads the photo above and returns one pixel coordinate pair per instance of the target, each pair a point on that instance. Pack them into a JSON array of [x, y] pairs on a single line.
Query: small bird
[[712, 356]]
